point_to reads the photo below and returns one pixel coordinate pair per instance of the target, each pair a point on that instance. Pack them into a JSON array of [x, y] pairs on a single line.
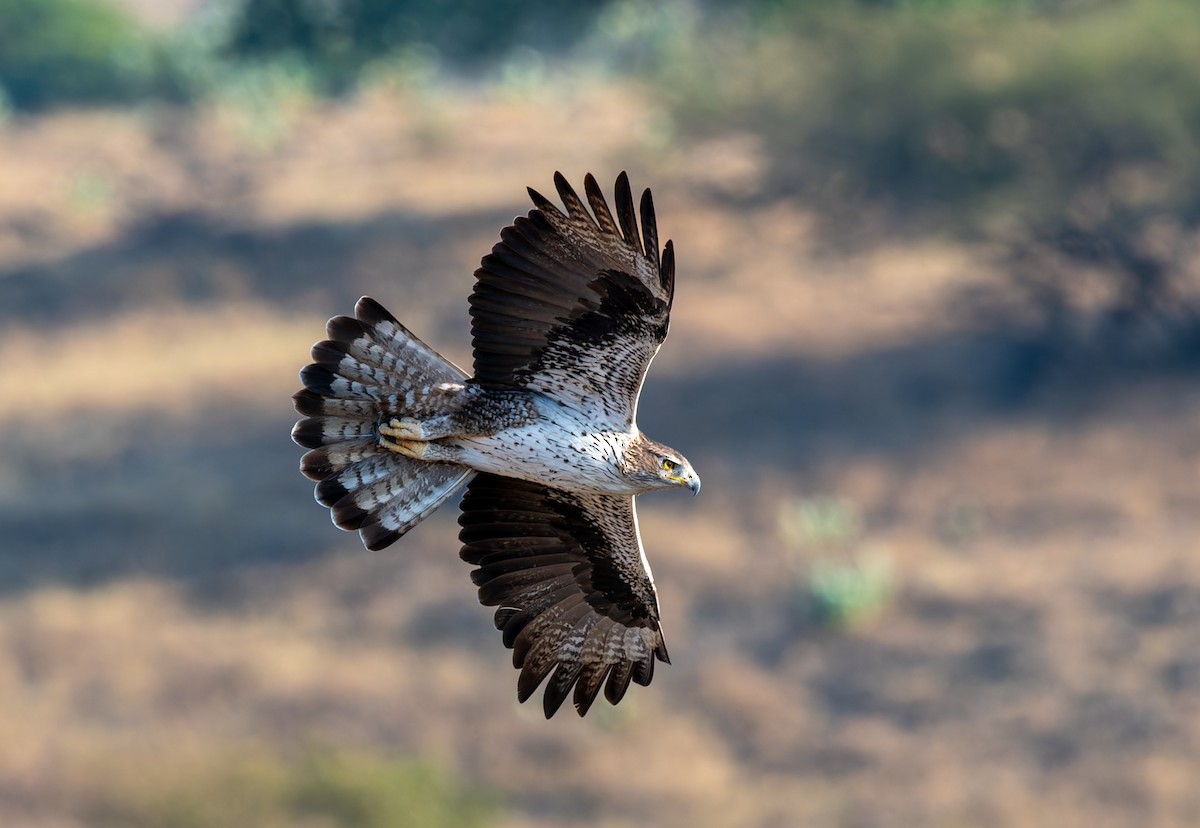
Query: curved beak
[[693, 483]]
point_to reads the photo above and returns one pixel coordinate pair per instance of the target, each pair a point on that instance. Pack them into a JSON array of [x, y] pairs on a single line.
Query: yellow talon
[[409, 448], [401, 429], [402, 436]]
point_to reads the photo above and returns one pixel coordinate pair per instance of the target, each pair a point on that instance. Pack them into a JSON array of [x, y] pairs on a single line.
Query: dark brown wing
[[574, 592], [575, 304]]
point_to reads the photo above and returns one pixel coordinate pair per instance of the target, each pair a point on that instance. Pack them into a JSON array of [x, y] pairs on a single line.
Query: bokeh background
[[935, 354]]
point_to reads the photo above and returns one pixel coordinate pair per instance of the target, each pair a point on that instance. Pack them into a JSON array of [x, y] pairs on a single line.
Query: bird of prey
[[566, 314]]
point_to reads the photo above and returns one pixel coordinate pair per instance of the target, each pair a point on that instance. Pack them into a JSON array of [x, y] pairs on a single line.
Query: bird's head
[[660, 467]]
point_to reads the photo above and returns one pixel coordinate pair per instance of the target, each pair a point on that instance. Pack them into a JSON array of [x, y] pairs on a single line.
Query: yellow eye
[[669, 465]]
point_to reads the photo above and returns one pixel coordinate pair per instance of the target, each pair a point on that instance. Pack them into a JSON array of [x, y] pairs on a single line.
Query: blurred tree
[[342, 35], [1061, 127], [79, 51]]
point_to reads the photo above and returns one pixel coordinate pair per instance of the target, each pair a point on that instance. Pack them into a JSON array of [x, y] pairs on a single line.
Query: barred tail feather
[[369, 365]]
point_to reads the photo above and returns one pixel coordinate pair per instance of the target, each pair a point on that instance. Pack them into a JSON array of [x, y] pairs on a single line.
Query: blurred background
[[934, 353]]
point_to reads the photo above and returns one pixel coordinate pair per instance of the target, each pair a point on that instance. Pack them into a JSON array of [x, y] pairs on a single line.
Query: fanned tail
[[370, 365]]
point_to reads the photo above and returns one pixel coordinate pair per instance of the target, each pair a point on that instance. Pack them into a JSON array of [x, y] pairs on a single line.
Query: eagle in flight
[[567, 312]]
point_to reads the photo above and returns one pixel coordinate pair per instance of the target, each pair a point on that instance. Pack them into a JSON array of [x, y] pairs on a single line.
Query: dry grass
[[161, 361]]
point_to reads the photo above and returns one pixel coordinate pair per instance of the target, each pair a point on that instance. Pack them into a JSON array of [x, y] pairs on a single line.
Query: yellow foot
[[409, 448], [402, 428], [402, 437]]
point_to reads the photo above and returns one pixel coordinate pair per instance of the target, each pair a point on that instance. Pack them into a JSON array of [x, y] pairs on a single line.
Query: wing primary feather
[[595, 196], [666, 272], [510, 627], [618, 681], [625, 212], [649, 228], [587, 686], [504, 615], [531, 676], [542, 203], [574, 205], [643, 671], [542, 635], [559, 686]]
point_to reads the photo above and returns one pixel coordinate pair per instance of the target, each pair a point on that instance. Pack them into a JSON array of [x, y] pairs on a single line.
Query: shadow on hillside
[[896, 401], [204, 497], [191, 258]]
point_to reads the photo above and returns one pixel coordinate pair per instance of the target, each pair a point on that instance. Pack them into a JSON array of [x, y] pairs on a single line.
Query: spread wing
[[575, 305], [574, 591]]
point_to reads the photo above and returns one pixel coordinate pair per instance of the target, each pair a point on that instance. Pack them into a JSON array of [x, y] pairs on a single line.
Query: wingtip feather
[[626, 213], [649, 228], [666, 271], [531, 678], [587, 686], [370, 313], [540, 202], [618, 681], [560, 686], [571, 200]]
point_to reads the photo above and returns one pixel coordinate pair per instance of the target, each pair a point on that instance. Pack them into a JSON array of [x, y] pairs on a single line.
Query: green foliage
[[366, 792], [847, 594], [342, 37], [55, 52], [79, 51], [335, 790], [840, 586]]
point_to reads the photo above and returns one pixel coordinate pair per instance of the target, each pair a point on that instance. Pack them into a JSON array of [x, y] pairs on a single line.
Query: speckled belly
[[553, 448]]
